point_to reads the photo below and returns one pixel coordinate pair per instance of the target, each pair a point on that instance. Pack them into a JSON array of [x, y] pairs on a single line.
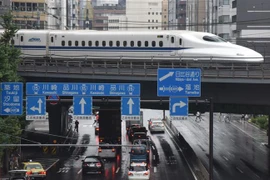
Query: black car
[[93, 165]]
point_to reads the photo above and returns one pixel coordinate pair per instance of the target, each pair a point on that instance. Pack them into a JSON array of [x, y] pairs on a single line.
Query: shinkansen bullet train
[[134, 44]]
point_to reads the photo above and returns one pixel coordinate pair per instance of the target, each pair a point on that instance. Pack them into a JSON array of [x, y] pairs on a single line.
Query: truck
[[110, 132], [139, 122]]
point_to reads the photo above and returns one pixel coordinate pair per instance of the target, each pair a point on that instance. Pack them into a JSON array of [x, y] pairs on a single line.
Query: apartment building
[[181, 14], [29, 14]]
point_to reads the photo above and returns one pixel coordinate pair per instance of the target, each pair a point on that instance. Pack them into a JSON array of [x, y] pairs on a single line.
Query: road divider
[[195, 165]]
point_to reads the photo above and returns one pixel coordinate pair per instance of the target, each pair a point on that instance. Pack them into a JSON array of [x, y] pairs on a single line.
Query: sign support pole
[[211, 131]]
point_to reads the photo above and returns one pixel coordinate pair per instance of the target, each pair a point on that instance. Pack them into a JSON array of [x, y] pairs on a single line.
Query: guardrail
[[145, 68]]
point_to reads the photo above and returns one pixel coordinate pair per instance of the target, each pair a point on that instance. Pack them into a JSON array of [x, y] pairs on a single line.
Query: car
[[138, 171], [97, 129], [145, 142], [93, 165], [139, 154], [139, 135], [156, 125], [107, 151], [19, 174], [34, 170], [136, 129]]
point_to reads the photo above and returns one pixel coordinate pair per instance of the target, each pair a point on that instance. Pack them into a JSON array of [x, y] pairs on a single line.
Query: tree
[[10, 127]]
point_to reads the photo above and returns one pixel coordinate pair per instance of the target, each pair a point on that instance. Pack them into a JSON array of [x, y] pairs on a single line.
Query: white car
[[156, 125], [138, 170]]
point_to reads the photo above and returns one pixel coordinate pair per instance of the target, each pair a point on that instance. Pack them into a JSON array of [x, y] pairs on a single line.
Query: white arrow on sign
[[82, 103], [166, 76], [130, 103], [181, 104], [34, 108], [7, 110]]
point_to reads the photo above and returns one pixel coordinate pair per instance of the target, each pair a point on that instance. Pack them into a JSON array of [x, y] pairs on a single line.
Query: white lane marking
[[182, 153], [225, 158], [117, 170], [239, 170], [155, 169], [79, 171]]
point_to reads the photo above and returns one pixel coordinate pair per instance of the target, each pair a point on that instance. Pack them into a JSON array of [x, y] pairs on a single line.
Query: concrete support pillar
[[55, 113], [164, 116]]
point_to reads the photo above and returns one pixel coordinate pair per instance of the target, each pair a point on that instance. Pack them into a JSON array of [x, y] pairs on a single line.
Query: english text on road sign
[[130, 108], [82, 108], [178, 108], [179, 82], [87, 89], [36, 108], [11, 98]]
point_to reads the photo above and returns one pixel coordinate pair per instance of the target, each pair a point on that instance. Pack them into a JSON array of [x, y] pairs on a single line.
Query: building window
[[234, 4], [224, 19], [90, 43], [97, 43], [234, 18], [29, 6], [22, 6], [41, 6], [224, 2], [63, 43], [76, 43], [34, 6], [83, 43], [160, 43]]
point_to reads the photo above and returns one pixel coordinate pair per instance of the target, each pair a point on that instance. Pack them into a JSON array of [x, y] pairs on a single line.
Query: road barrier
[[53, 150], [45, 149], [194, 162]]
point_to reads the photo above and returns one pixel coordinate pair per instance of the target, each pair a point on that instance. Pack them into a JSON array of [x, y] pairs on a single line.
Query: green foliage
[[10, 126], [261, 121]]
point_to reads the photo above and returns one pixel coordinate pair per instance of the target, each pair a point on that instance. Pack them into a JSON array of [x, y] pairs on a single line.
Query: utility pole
[[38, 19], [66, 14]]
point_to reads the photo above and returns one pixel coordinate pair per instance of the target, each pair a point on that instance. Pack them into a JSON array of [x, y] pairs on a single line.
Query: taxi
[[138, 170], [34, 170]]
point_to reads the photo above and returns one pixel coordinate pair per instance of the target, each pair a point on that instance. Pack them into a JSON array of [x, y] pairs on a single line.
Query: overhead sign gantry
[[179, 84], [82, 97]]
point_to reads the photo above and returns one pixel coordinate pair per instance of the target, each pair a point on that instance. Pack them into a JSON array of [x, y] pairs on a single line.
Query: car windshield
[[138, 151], [33, 166], [138, 168], [91, 159], [214, 39]]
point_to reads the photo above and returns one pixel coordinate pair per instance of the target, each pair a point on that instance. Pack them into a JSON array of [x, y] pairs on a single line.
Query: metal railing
[[145, 68]]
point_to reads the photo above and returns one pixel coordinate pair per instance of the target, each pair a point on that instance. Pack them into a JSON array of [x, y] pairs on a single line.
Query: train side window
[[153, 43], [83, 43], [12, 42], [89, 43], [51, 39], [76, 43], [160, 43], [103, 43], [117, 43], [70, 43], [131, 43], [180, 41], [124, 43], [110, 43], [139, 43], [172, 39], [146, 43], [63, 43], [21, 38], [97, 43]]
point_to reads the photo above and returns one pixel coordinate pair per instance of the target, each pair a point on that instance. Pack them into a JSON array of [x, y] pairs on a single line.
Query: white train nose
[[248, 54]]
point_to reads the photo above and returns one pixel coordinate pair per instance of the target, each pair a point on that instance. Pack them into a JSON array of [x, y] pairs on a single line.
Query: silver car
[[156, 126]]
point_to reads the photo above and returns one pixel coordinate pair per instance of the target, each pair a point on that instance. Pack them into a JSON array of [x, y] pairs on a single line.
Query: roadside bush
[[261, 121], [254, 120]]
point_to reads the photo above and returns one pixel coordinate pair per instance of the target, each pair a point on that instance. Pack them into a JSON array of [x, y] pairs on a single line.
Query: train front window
[[214, 39]]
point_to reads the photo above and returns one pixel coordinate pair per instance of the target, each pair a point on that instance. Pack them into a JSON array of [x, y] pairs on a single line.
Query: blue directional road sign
[[178, 108], [130, 108], [11, 98], [179, 82], [82, 108], [90, 89], [36, 108]]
